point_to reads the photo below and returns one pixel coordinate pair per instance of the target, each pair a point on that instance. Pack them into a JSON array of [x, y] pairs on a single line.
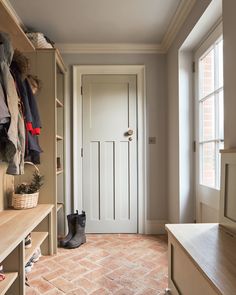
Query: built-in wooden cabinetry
[[15, 225], [42, 221], [49, 68], [202, 257]]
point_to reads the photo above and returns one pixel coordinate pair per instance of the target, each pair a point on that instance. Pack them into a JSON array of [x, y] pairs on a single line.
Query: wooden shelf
[[37, 240], [59, 206], [9, 280], [59, 171], [26, 221], [233, 150], [9, 24], [58, 137], [59, 103]]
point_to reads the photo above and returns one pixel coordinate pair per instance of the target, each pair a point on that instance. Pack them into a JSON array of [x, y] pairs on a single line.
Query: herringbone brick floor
[[119, 264]]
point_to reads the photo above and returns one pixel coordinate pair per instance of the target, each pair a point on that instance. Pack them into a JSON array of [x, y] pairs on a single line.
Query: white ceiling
[[98, 21]]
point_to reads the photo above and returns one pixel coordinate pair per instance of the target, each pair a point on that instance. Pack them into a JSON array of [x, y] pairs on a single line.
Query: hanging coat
[[15, 141]]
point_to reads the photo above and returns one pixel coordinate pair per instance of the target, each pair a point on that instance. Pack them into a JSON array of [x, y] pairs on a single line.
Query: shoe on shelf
[[37, 254], [28, 269], [29, 265], [28, 241]]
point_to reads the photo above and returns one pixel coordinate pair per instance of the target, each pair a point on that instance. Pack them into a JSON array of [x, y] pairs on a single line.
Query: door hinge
[[82, 152], [193, 66], [194, 146], [81, 90]]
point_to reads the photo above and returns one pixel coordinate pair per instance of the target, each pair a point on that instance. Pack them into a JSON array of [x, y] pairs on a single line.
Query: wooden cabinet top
[[212, 250], [16, 224], [9, 25]]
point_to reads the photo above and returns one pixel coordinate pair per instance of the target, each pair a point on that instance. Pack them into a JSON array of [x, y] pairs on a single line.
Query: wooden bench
[[15, 225], [202, 260]]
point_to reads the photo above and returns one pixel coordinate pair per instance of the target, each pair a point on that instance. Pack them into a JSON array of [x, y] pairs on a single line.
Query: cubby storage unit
[[15, 225], [48, 66]]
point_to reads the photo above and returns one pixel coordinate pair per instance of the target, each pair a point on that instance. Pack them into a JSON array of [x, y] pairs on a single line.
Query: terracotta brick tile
[[41, 285], [75, 274], [51, 264], [53, 275], [108, 284], [63, 285], [118, 273], [78, 291], [100, 291], [128, 283], [119, 264], [86, 284], [31, 291], [124, 291], [88, 264], [149, 291], [95, 274], [54, 292], [80, 256], [37, 272]]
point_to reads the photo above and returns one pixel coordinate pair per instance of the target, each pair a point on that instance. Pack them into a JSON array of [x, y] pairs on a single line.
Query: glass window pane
[[220, 47], [208, 118], [207, 74], [221, 115], [208, 164]]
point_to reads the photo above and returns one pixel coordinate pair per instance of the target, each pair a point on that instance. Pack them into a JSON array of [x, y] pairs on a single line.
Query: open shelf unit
[[7, 283], [47, 64], [13, 255], [37, 239]]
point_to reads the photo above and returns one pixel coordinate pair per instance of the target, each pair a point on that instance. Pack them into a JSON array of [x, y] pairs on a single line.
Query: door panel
[[109, 157]]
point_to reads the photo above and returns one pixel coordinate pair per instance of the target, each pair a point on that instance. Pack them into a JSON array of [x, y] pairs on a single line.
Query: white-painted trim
[[155, 227], [139, 71], [178, 20], [115, 48]]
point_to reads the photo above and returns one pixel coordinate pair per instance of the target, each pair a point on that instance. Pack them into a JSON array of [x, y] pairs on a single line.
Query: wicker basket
[[25, 201], [38, 40]]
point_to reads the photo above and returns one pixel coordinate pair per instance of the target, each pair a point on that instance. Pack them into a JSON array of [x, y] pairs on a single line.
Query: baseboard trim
[[155, 227]]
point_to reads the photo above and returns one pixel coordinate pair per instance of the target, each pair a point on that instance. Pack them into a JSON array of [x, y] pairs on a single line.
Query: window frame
[[210, 43]]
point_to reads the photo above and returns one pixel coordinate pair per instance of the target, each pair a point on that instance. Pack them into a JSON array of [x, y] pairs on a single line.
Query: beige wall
[[156, 120], [174, 189]]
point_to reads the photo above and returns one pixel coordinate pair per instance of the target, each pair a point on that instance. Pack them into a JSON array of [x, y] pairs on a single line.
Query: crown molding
[[176, 23], [117, 48]]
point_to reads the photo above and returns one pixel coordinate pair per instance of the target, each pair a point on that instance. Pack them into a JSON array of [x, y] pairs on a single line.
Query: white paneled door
[[110, 153]]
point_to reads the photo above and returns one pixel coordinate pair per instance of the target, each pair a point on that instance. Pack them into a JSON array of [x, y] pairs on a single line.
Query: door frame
[[139, 71]]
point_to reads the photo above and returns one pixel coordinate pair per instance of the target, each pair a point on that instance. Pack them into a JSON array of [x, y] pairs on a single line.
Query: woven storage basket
[[38, 40], [25, 201]]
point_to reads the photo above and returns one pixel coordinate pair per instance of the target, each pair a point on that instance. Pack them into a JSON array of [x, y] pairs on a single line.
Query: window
[[211, 113]]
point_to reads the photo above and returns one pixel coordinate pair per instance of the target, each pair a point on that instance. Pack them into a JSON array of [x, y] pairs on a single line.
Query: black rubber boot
[[71, 219], [79, 237]]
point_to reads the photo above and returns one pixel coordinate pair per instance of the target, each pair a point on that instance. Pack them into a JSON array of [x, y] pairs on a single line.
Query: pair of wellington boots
[[76, 235]]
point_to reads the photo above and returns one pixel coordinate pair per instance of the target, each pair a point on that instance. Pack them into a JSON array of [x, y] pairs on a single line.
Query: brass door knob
[[130, 132]]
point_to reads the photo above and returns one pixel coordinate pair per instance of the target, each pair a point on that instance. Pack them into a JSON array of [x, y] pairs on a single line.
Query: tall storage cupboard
[[48, 66]]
